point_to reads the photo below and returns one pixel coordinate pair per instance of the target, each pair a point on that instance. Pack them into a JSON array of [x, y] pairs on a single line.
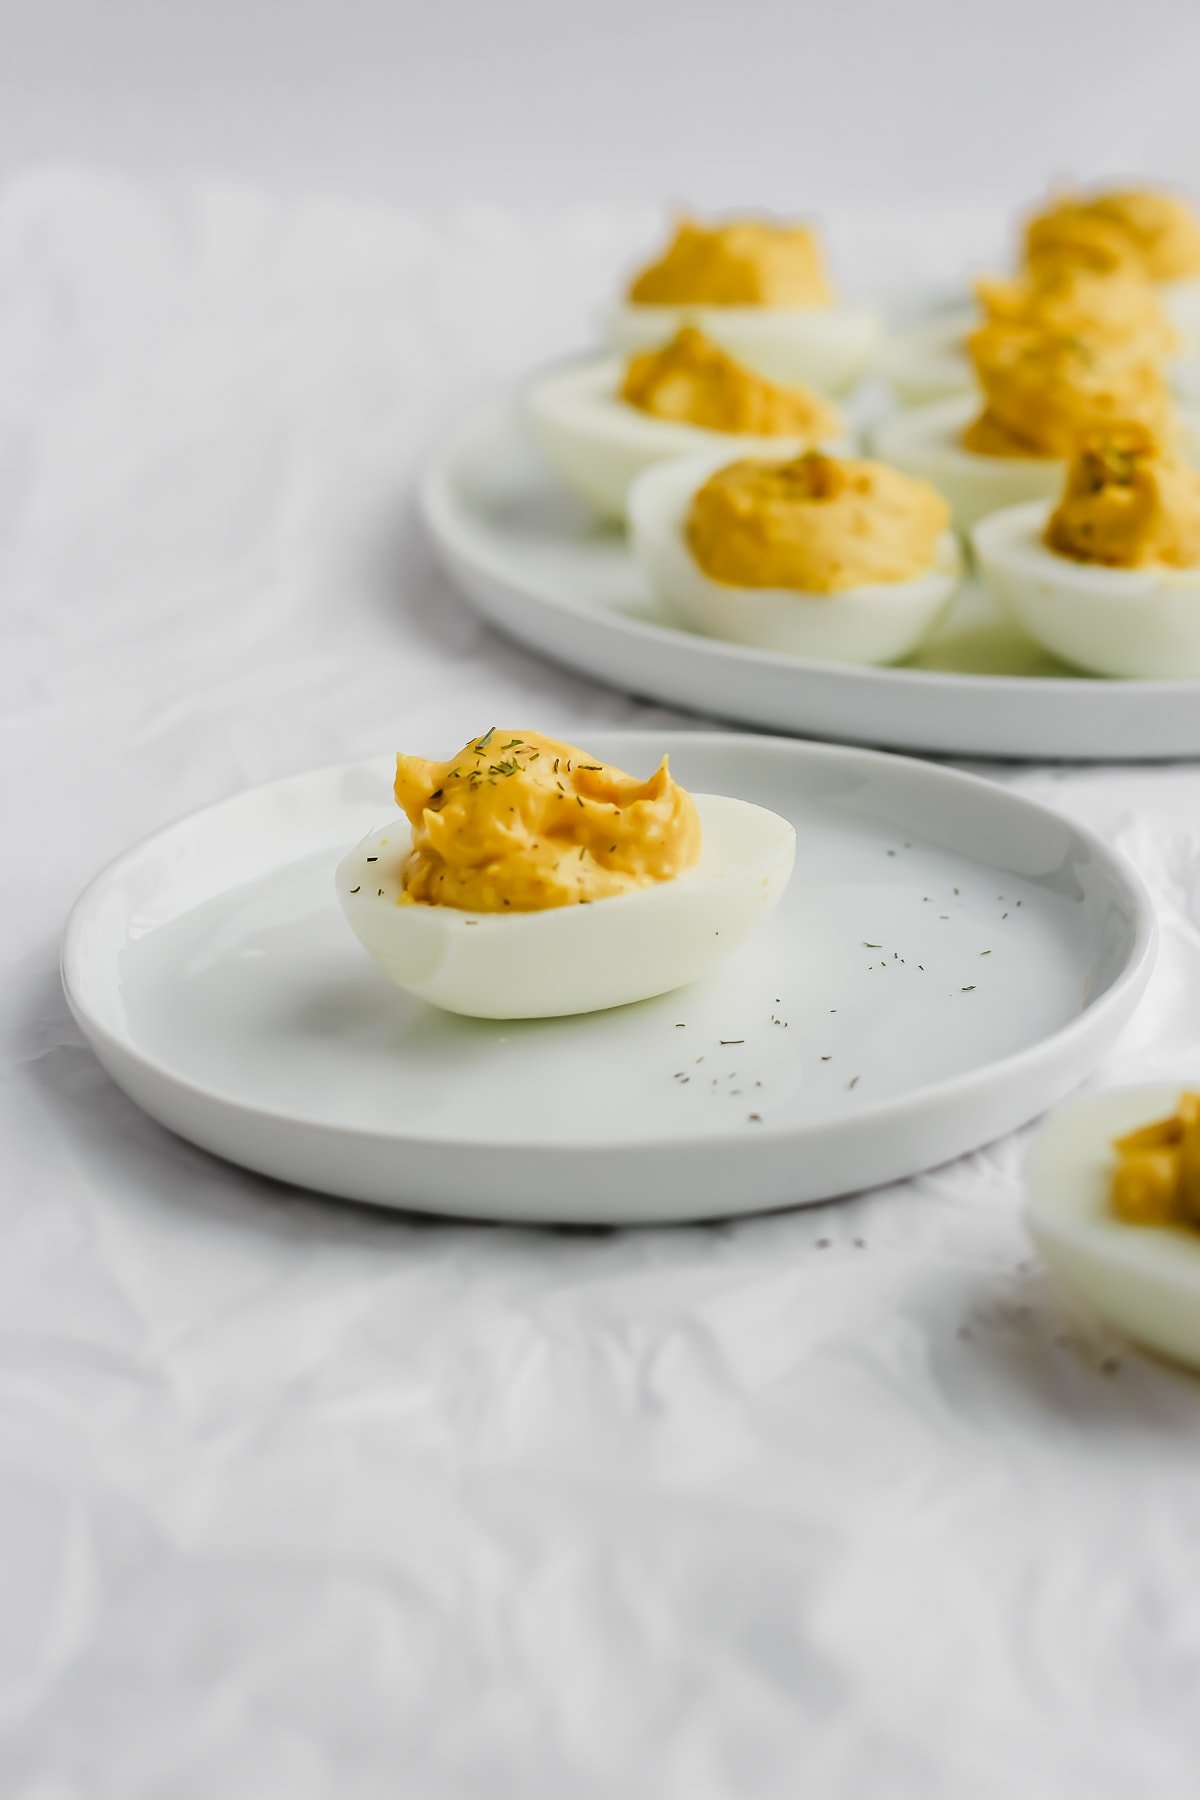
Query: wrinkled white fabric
[[301, 1500]]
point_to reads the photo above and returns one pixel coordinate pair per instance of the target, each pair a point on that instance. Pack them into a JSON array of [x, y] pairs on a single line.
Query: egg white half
[[573, 959], [1145, 1280], [925, 359], [925, 442], [822, 347], [872, 624], [600, 444], [1141, 623]]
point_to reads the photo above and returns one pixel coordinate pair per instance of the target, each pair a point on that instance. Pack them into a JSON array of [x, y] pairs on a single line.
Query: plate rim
[[1122, 994]]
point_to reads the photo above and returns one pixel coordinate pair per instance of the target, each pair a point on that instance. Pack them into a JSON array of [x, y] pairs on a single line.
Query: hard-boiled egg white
[[600, 443], [572, 959], [925, 442], [925, 359], [876, 624], [823, 347], [1126, 622], [1143, 1279]]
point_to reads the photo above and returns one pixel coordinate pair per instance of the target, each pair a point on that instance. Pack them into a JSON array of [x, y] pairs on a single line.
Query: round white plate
[[532, 560], [949, 959]]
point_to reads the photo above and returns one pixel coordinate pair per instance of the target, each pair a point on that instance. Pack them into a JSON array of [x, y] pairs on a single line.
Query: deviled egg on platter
[[837, 559], [1149, 229], [1107, 579], [1042, 393], [600, 424], [758, 287]]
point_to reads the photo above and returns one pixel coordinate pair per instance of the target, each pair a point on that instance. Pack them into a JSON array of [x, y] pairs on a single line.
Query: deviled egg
[[925, 359], [758, 288], [1114, 1208], [930, 358], [524, 879], [1109, 578], [837, 559], [1155, 231], [602, 423], [1042, 394]]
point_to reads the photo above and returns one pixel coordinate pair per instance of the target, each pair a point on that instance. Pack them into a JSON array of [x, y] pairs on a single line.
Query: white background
[[549, 104], [301, 1502]]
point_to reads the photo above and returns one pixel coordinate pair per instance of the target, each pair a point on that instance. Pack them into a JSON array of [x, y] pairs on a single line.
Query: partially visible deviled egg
[[1156, 232], [1043, 393], [602, 423], [524, 879], [1103, 298], [925, 359], [930, 358], [1109, 579], [759, 289], [841, 560], [1114, 1207]]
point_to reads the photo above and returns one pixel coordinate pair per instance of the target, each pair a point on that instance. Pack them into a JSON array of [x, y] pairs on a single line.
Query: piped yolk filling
[[1156, 1180], [1128, 504], [1044, 393], [519, 822], [1075, 300], [745, 262], [692, 381], [1157, 232], [817, 524]]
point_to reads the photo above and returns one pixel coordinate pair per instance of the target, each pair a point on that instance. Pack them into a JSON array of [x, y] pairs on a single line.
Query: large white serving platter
[[537, 564], [215, 976]]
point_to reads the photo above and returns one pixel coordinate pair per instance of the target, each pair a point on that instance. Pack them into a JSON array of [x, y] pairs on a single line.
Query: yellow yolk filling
[[1044, 393], [1127, 503], [1156, 1180], [816, 524], [1073, 300], [1158, 232], [748, 262], [519, 822], [694, 382]]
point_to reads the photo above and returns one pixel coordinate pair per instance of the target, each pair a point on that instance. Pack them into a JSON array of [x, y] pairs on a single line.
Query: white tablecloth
[[300, 1500]]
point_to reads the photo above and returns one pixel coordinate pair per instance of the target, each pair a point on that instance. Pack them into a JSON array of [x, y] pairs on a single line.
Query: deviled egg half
[[1109, 578], [1043, 393], [930, 358], [758, 288], [1113, 1184], [602, 423], [833, 558], [1154, 231], [925, 359], [524, 879]]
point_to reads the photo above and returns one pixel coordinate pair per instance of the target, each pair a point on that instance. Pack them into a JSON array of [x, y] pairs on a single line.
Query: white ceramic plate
[[864, 1034], [543, 569]]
